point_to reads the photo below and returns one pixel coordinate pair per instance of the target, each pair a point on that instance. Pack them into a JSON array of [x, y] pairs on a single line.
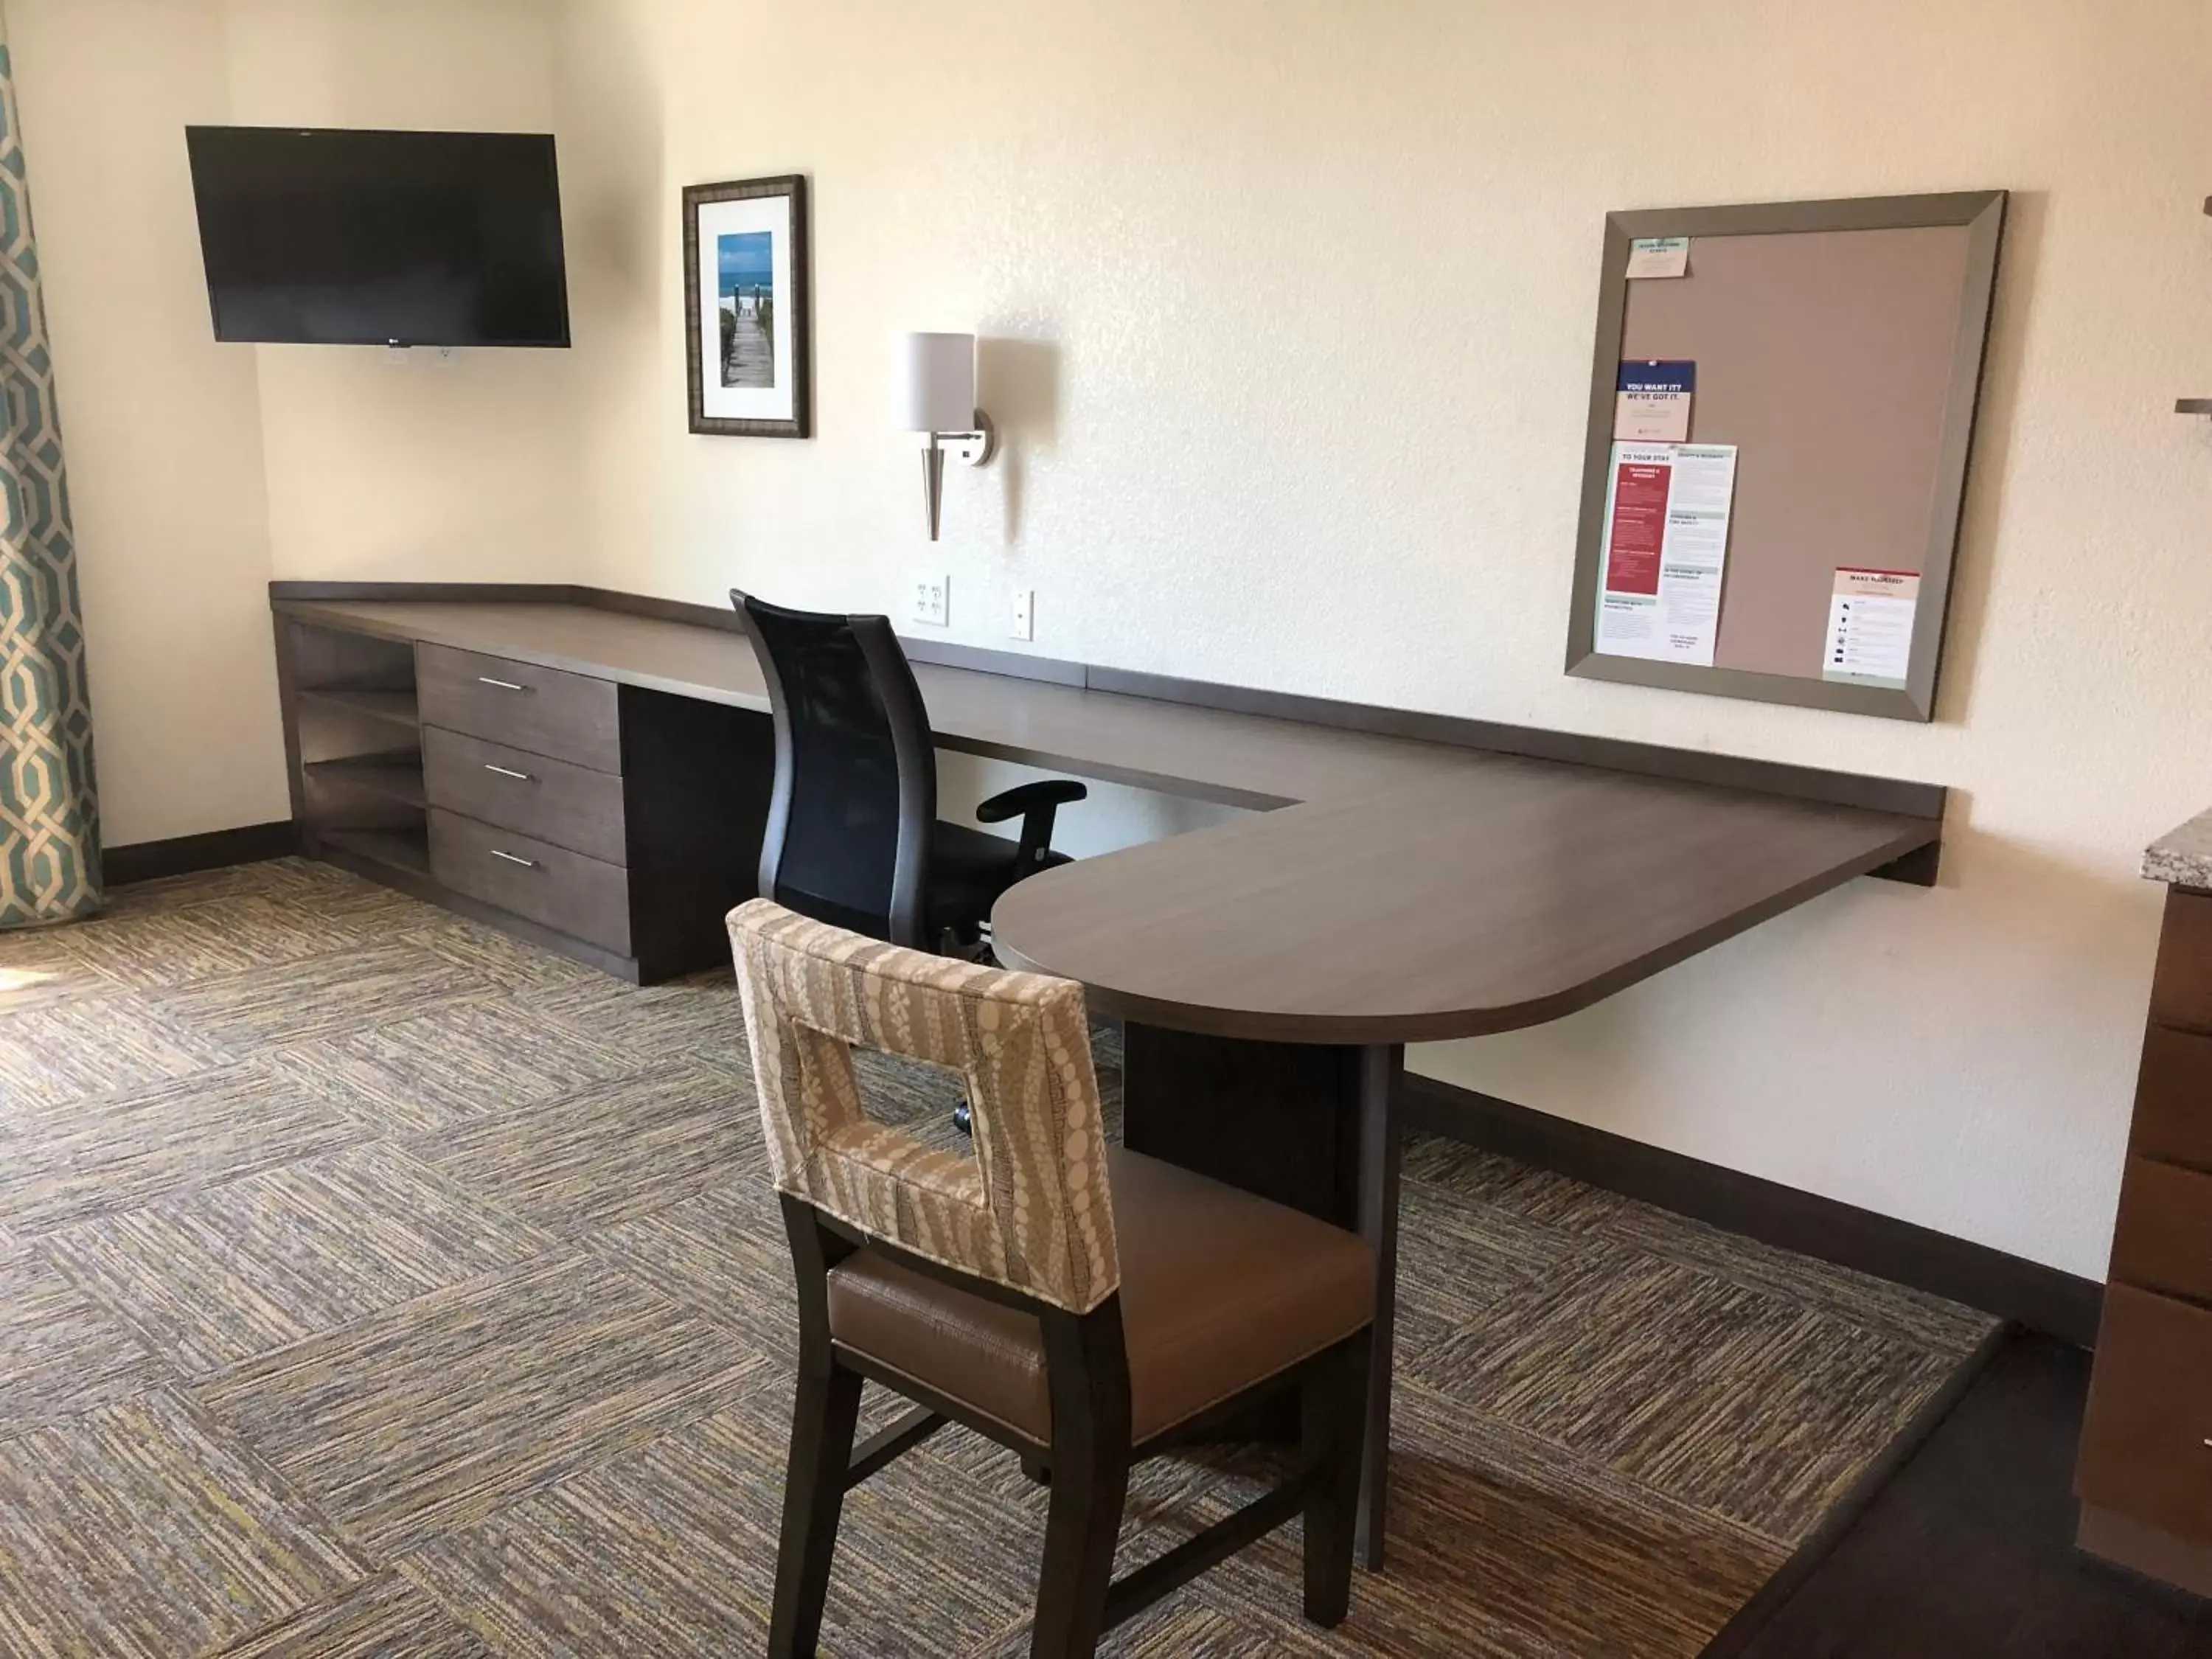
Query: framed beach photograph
[[745, 309]]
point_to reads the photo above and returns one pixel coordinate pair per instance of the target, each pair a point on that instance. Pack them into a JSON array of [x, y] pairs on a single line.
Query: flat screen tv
[[352, 238]]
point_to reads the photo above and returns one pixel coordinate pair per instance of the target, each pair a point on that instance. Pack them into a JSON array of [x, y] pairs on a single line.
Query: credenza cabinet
[[2145, 1475], [612, 823]]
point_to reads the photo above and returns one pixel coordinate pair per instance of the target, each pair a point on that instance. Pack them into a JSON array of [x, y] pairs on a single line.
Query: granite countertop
[[2182, 856]]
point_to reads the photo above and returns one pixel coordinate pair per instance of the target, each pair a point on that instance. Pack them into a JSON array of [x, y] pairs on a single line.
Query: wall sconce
[[937, 396]]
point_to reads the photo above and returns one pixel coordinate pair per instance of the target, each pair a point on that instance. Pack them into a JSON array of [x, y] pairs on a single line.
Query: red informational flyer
[[1639, 527], [1666, 551]]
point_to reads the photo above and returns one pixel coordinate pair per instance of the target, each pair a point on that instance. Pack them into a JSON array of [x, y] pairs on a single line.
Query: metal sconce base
[[970, 448]]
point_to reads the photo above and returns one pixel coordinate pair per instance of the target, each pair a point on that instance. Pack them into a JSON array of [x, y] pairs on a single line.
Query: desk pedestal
[[1309, 1125]]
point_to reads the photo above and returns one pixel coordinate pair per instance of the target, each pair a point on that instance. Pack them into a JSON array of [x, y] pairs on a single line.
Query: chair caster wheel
[[962, 1118]]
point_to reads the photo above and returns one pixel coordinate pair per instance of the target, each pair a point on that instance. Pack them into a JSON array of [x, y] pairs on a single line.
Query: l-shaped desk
[[1408, 878]]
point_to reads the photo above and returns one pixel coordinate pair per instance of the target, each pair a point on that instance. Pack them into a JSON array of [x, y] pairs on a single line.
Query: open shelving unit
[[357, 779], [395, 775], [397, 707], [407, 849]]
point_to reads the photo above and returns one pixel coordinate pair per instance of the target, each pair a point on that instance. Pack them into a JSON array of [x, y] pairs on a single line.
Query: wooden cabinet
[[2147, 1448], [543, 711], [579, 896], [2174, 1099], [571, 806], [2163, 1241], [2145, 1475], [612, 823]]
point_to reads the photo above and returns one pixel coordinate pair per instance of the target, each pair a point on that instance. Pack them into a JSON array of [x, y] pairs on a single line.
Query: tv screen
[[349, 238]]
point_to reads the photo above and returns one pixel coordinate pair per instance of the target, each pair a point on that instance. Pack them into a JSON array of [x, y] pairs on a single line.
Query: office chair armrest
[[1026, 798], [1036, 805]]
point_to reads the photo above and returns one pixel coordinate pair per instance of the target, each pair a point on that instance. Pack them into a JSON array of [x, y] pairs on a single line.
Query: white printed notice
[[1652, 405], [1658, 256], [1666, 551], [1870, 628]]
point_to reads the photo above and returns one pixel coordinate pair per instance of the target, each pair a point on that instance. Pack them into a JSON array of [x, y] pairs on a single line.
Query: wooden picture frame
[[1945, 357], [761, 381]]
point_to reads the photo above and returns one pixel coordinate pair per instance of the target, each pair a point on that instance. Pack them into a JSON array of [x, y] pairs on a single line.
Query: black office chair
[[853, 838]]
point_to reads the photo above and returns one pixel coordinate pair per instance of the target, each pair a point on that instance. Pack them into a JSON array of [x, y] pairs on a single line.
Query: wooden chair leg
[[1333, 1439], [1087, 1496], [829, 1405]]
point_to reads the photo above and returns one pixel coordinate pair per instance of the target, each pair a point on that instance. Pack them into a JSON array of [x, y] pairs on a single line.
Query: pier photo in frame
[[745, 309]]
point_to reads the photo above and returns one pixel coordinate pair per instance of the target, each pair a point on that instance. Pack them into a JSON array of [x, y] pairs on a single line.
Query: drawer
[[571, 717], [2173, 1099], [2181, 992], [582, 898], [569, 806], [2164, 1238], [2143, 1450]]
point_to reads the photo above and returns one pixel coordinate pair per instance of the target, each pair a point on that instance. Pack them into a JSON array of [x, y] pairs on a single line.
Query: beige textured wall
[[409, 471], [162, 426], [198, 471], [1293, 301], [1289, 306]]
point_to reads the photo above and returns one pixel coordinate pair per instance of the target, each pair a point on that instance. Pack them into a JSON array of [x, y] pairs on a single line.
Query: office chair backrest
[[1031, 1210], [848, 824]]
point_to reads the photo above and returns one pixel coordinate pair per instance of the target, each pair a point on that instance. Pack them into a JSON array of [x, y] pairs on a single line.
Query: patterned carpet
[[372, 1285]]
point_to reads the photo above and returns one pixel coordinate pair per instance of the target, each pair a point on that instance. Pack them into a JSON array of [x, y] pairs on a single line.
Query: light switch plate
[[933, 595], [1024, 614]]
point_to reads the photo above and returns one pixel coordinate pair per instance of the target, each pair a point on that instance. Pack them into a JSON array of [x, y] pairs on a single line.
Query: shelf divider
[[397, 707]]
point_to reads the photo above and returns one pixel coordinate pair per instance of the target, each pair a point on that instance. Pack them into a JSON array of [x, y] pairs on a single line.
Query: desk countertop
[[1206, 754], [1502, 895], [1392, 889]]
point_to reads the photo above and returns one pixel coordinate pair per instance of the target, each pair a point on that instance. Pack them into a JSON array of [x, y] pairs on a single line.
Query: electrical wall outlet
[[1024, 614], [933, 599]]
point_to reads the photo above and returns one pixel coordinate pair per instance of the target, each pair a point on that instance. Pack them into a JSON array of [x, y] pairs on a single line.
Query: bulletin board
[[1782, 412]]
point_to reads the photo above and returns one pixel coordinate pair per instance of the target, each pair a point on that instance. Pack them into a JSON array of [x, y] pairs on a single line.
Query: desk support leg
[[1382, 1080], [1310, 1125]]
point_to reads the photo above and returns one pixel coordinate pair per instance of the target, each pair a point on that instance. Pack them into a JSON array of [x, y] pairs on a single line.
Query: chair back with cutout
[[1032, 1209]]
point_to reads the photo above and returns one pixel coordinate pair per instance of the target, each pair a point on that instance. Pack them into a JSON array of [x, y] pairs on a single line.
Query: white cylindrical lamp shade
[[937, 382]]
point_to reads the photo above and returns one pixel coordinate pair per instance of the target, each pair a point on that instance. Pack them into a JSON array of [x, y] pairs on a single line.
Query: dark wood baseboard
[[1736, 1637], [185, 855], [2041, 1298]]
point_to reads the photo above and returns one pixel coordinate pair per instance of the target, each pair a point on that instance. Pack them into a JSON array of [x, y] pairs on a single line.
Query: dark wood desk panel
[[1505, 894]]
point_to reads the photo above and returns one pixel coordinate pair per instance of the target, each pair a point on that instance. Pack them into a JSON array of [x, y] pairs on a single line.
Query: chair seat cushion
[[1220, 1290], [968, 870]]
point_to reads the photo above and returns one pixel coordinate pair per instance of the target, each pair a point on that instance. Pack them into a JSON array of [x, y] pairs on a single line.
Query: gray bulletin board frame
[[1980, 214]]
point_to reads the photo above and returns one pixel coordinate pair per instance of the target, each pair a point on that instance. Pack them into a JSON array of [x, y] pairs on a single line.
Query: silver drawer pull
[[509, 772], [504, 685], [527, 864]]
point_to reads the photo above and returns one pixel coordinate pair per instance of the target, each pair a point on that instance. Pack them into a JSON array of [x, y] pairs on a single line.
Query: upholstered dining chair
[[1084, 1306]]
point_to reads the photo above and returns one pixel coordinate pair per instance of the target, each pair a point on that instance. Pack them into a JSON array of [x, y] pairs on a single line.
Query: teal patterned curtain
[[49, 807]]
